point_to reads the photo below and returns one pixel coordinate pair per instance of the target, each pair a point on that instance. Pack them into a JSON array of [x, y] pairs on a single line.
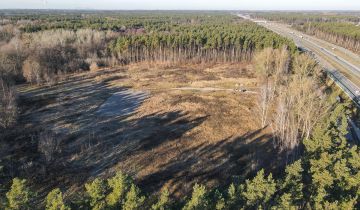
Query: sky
[[183, 4]]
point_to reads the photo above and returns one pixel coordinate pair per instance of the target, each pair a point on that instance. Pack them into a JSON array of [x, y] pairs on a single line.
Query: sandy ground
[[155, 123]]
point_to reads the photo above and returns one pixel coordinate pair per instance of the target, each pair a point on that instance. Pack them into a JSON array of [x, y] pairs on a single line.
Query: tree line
[[346, 35], [325, 177], [232, 42], [43, 56], [338, 28], [299, 18]]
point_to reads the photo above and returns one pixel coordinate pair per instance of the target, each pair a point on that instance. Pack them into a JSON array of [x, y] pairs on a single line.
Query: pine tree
[[19, 195], [163, 202], [198, 199], [258, 191], [292, 187], [119, 185], [335, 180], [96, 190], [54, 201], [133, 199], [220, 201], [232, 196]]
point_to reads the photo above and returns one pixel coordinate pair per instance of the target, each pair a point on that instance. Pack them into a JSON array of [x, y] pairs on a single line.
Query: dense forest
[[305, 17], [143, 37], [338, 28], [346, 35]]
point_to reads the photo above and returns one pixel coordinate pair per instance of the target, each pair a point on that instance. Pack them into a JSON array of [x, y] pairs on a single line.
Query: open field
[[200, 132]]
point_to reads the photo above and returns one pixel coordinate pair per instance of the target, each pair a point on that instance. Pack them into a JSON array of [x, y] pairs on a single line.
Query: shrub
[[94, 66], [32, 70]]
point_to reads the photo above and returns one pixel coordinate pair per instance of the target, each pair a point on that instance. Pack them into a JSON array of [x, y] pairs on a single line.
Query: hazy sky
[[184, 4]]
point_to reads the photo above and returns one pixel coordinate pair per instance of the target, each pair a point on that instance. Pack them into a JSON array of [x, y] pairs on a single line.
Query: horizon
[[231, 5]]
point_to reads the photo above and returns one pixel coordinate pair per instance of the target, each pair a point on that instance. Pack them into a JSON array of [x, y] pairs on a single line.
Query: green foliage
[[163, 202], [334, 173], [119, 185], [96, 190], [258, 191], [198, 198], [54, 201], [232, 196], [133, 199], [19, 195], [292, 187], [228, 41], [220, 200]]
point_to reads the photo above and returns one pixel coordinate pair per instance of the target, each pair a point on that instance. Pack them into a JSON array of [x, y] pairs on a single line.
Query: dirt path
[[210, 89]]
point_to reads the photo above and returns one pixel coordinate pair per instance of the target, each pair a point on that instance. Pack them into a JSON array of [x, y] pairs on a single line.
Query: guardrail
[[337, 77], [334, 75]]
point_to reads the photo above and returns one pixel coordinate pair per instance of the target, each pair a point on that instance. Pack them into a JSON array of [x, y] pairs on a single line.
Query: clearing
[[166, 126]]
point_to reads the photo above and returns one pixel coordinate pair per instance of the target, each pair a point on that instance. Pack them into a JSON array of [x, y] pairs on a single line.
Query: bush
[[32, 70], [94, 66]]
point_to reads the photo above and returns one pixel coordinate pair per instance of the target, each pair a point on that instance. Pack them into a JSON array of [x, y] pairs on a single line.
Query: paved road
[[319, 49]]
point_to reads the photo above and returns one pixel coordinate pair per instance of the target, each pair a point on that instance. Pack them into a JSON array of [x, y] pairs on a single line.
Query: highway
[[341, 65]]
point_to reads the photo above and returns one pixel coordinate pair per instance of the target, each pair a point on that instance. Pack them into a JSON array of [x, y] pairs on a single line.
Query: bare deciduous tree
[[48, 145], [8, 106], [299, 106], [32, 70], [265, 101]]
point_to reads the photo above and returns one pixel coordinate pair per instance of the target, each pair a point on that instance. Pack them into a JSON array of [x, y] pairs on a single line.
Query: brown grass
[[174, 139]]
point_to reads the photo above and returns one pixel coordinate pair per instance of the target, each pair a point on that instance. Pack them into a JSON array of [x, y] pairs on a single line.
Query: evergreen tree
[[198, 199], [163, 202], [232, 196], [119, 185], [133, 199], [258, 191], [96, 190], [219, 201], [292, 187], [334, 174], [19, 195], [54, 201]]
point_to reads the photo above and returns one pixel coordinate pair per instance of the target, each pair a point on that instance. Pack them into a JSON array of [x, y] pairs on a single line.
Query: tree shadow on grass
[[230, 160]]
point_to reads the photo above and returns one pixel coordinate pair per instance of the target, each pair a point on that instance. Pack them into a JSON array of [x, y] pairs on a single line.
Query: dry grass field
[[186, 124]]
